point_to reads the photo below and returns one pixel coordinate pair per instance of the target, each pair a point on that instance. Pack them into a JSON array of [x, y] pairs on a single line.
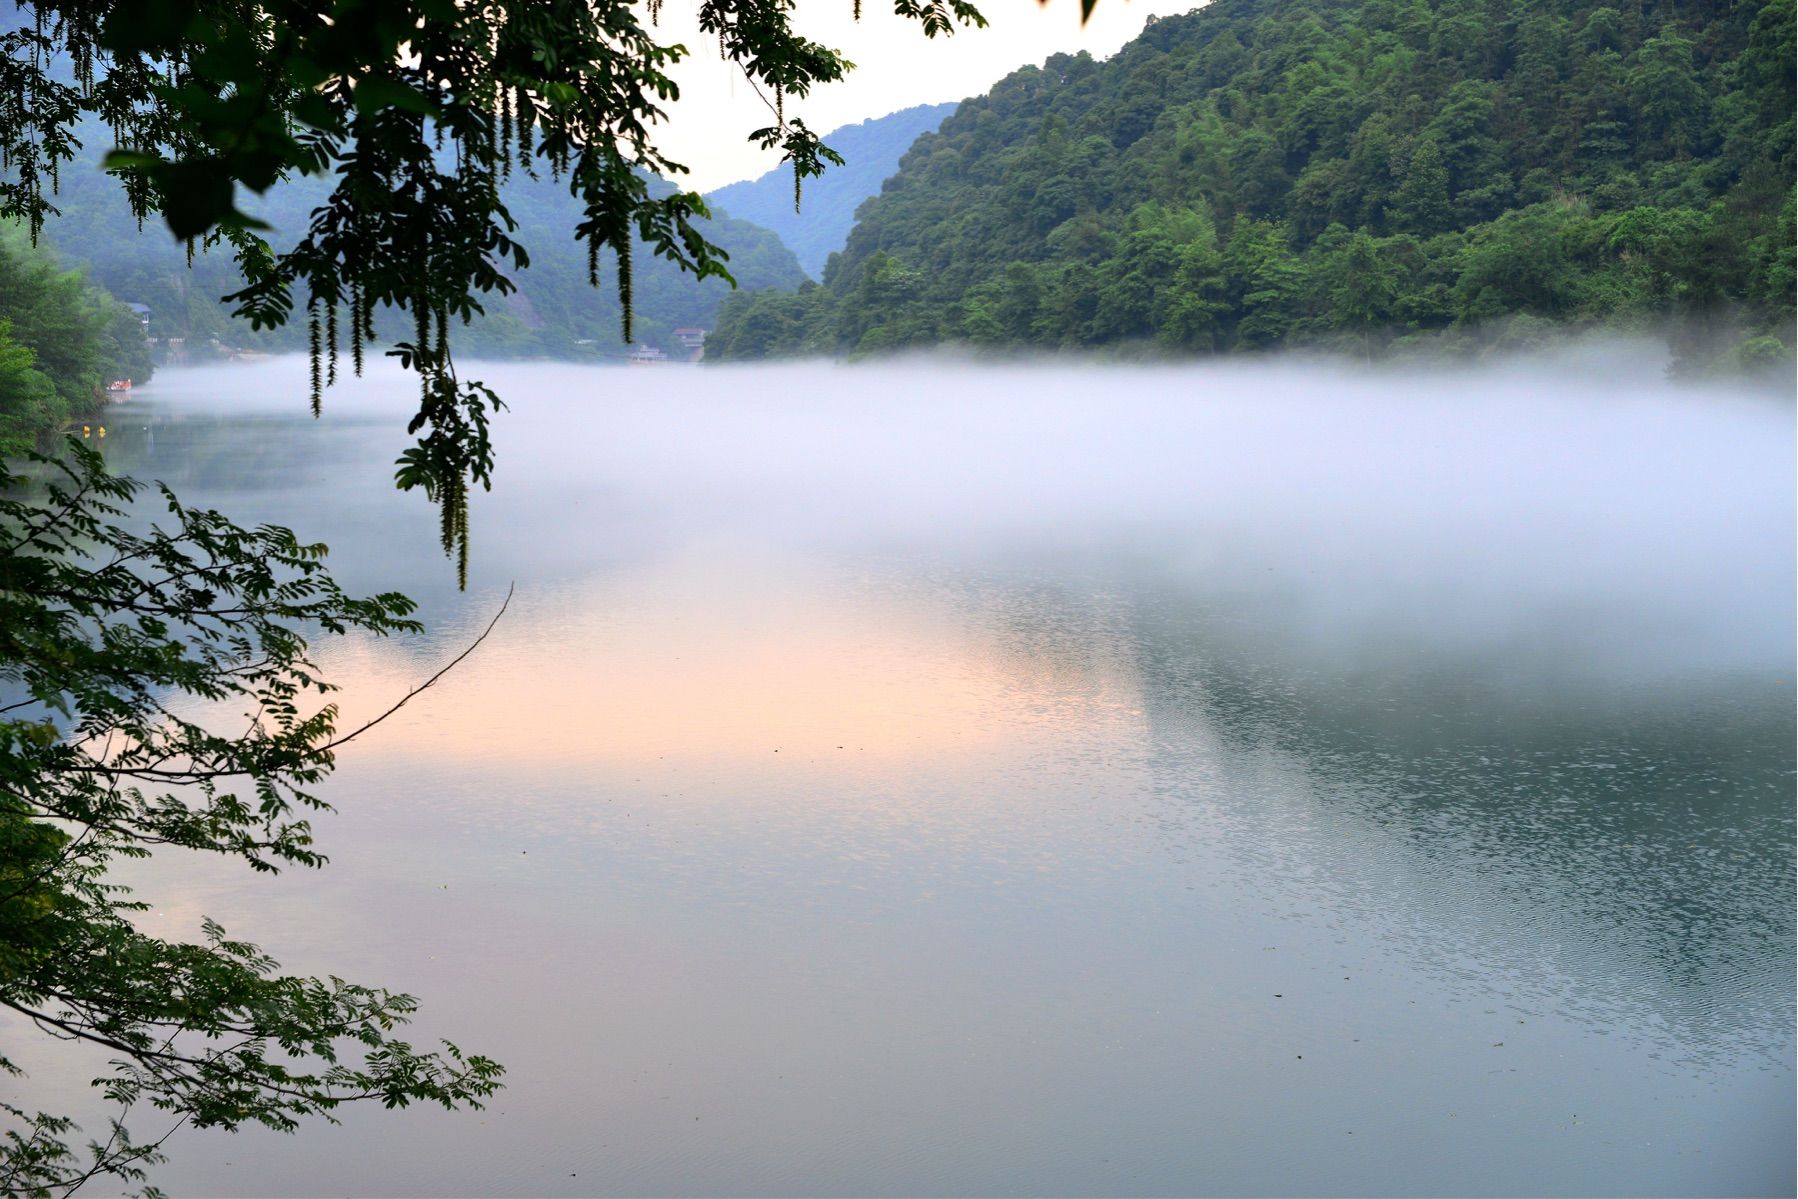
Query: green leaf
[[196, 195], [304, 72], [130, 160], [376, 92]]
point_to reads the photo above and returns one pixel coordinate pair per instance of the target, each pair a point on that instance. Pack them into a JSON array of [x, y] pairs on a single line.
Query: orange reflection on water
[[736, 661]]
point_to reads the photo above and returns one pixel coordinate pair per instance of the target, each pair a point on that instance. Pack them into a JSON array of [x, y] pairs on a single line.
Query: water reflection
[[1170, 782], [1571, 838], [648, 663]]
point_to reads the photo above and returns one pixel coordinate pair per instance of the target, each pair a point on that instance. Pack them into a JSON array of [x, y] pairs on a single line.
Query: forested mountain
[[554, 311], [62, 339], [1282, 172], [871, 152]]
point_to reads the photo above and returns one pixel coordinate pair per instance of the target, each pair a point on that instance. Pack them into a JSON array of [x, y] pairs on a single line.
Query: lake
[[1264, 779]]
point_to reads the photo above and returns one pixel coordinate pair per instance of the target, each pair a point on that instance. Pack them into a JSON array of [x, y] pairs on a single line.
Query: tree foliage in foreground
[[1338, 173], [553, 311], [158, 696], [415, 112], [115, 646]]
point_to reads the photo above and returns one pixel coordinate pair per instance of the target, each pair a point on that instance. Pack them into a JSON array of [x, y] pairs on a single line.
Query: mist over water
[[1253, 778], [1505, 504]]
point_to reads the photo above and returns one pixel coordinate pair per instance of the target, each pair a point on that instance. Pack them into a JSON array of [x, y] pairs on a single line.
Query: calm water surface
[[940, 780]]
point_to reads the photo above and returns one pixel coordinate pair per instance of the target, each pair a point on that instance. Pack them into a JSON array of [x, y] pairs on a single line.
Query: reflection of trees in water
[[223, 451], [328, 480], [332, 481], [1592, 839]]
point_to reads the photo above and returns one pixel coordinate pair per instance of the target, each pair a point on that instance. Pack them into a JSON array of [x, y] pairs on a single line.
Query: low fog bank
[[1719, 351], [1583, 497]]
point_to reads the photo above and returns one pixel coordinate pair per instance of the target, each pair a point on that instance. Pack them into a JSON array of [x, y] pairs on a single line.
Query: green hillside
[[62, 340], [871, 152], [1356, 176], [554, 312]]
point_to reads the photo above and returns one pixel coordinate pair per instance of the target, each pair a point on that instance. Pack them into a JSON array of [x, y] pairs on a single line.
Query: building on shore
[[644, 354]]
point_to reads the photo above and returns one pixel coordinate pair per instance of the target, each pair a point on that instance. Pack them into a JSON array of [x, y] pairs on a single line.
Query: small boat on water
[[119, 385]]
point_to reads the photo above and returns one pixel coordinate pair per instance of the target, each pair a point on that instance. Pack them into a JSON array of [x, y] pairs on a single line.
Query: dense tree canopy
[[1322, 172], [61, 340]]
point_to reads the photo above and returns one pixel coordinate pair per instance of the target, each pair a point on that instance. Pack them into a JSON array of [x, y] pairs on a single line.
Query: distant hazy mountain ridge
[[1262, 173], [871, 152], [553, 313]]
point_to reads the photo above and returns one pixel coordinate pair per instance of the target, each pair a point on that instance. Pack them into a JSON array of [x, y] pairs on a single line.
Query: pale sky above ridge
[[896, 67]]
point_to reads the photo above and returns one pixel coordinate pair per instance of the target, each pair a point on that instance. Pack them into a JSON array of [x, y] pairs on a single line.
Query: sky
[[896, 67]]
